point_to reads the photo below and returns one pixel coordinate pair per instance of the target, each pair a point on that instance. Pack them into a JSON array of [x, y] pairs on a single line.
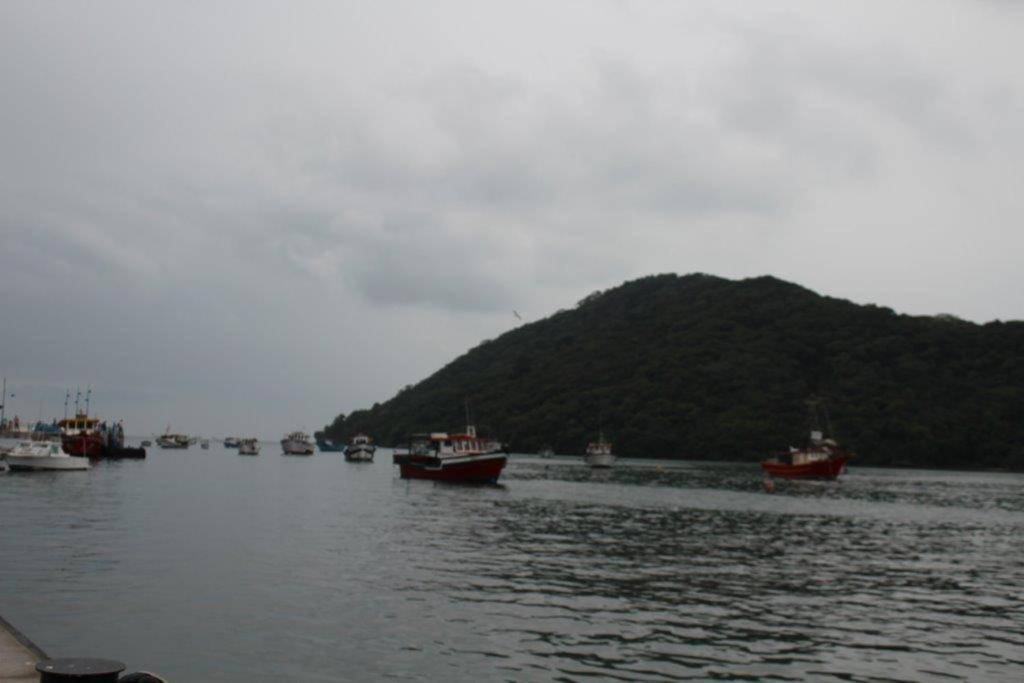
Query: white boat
[[248, 447], [361, 449], [169, 440], [297, 443], [599, 453], [28, 455]]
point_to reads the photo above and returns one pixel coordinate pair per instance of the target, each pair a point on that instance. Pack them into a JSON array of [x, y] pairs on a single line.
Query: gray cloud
[[197, 205]]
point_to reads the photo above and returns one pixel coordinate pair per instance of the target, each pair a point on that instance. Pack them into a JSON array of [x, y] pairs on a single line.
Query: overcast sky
[[246, 217]]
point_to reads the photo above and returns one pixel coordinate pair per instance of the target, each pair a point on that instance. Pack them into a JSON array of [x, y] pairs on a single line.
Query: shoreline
[[18, 655]]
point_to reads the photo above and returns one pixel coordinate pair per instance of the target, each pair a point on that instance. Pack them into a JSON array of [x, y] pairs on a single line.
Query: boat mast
[[67, 397], [3, 403], [88, 395], [470, 429], [78, 396]]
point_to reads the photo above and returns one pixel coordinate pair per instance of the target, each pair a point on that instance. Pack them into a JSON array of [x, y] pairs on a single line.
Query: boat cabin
[[442, 444], [80, 424], [361, 440]]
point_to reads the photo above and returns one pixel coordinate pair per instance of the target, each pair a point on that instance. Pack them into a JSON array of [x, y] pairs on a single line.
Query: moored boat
[[460, 457], [822, 458], [328, 446], [205, 444], [248, 447], [599, 453], [297, 443], [232, 442], [28, 456], [169, 440], [361, 449], [80, 436]]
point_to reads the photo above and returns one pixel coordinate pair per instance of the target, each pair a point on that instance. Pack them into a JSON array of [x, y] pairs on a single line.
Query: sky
[[245, 218]]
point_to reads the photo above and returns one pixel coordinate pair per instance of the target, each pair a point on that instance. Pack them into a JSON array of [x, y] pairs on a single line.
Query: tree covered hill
[[699, 366]]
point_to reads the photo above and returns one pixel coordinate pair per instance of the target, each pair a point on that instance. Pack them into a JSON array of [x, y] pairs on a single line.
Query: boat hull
[[83, 445], [359, 453], [297, 448], [29, 463], [599, 460], [829, 468], [480, 469]]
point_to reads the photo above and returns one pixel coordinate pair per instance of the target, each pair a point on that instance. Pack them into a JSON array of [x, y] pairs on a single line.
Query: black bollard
[[79, 670]]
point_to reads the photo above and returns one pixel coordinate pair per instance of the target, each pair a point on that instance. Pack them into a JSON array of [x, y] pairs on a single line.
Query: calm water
[[209, 566]]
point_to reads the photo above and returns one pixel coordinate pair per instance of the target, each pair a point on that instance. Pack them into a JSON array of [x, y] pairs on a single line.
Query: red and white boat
[[820, 459], [452, 457], [80, 436]]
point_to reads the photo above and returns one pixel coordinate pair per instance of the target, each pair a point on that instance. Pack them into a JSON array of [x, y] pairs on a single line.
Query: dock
[[18, 655]]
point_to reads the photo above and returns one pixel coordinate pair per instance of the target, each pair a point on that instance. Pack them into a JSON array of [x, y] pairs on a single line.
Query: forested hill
[[703, 367]]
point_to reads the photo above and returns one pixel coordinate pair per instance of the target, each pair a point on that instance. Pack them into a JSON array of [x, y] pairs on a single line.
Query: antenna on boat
[[88, 395], [67, 397], [78, 396], [470, 429]]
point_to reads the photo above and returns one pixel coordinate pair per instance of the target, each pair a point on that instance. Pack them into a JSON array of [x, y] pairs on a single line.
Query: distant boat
[[248, 447], [328, 446], [28, 455], [546, 452], [297, 443], [599, 453], [361, 449], [205, 444], [231, 442], [146, 443], [452, 457], [177, 441], [821, 459]]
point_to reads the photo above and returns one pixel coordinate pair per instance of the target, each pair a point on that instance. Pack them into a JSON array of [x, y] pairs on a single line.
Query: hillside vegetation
[[701, 367]]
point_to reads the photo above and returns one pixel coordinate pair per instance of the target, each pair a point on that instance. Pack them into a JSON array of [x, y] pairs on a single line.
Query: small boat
[[205, 444], [248, 447], [822, 458], [547, 452], [361, 449], [169, 440], [328, 446], [452, 457], [297, 443], [599, 453], [231, 442], [29, 456], [146, 443]]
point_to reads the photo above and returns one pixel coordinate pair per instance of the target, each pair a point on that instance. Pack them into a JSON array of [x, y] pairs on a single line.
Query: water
[[209, 566]]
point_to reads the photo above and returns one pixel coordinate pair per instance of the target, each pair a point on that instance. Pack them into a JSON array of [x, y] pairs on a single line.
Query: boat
[[328, 446], [146, 443], [361, 449], [80, 436], [32, 456], [248, 447], [297, 443], [546, 452], [460, 457], [231, 442], [599, 453], [205, 444], [169, 440], [821, 458]]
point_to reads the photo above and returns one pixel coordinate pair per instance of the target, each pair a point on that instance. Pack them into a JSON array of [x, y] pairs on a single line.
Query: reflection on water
[[314, 569]]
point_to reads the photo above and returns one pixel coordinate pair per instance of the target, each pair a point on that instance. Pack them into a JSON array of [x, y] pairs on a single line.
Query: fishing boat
[[327, 446], [460, 457], [821, 458], [599, 453], [248, 447], [232, 442], [81, 436], [361, 449], [297, 443], [34, 456]]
